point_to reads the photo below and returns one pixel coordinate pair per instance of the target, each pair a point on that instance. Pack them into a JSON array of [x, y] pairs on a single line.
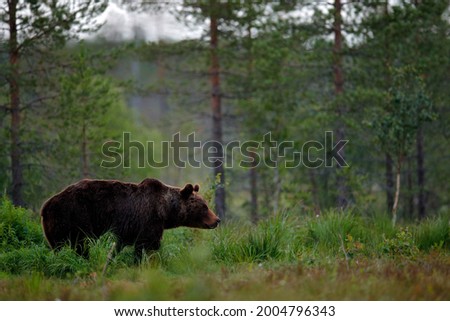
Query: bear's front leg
[[148, 247]]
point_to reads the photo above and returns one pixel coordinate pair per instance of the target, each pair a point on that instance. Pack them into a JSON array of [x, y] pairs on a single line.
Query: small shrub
[[352, 246], [30, 259], [17, 227], [401, 245]]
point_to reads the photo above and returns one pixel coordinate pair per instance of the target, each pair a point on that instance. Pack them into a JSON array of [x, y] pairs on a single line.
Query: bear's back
[[91, 205]]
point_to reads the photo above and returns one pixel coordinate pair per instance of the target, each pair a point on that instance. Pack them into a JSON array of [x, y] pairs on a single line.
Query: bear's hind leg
[[79, 244]]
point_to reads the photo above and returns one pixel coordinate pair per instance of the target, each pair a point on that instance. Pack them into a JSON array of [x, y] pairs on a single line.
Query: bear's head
[[194, 209]]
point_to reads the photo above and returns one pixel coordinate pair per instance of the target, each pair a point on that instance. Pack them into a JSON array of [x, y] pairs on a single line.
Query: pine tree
[[35, 30]]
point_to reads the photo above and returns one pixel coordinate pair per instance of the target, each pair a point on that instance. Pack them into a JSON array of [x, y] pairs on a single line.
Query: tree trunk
[[388, 158], [420, 152], [277, 190], [162, 94], [217, 116], [338, 75], [14, 108], [409, 181], [84, 153], [254, 194], [314, 189], [421, 175], [254, 215], [389, 182], [397, 194]]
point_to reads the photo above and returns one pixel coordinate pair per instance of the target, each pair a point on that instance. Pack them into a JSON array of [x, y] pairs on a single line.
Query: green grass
[[340, 255], [269, 240], [433, 233]]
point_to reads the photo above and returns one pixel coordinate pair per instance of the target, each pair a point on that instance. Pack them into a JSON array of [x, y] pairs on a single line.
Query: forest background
[[375, 73]]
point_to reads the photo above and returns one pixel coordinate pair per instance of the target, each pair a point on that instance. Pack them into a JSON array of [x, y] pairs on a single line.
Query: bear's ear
[[196, 188], [187, 190]]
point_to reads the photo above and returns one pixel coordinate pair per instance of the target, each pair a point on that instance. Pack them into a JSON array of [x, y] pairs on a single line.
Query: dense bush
[[18, 228]]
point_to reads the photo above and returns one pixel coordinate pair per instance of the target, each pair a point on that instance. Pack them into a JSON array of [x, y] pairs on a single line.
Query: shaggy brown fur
[[136, 213]]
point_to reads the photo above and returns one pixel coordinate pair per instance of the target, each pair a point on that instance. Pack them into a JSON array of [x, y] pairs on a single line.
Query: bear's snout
[[214, 225], [213, 220]]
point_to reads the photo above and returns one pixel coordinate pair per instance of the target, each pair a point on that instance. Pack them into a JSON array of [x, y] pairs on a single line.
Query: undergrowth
[[284, 239]]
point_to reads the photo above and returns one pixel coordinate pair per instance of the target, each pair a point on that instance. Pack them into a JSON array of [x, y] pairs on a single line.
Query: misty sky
[[123, 24]]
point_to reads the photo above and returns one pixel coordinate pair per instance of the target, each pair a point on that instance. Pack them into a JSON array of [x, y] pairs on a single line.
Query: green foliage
[[210, 187], [84, 94], [277, 67], [65, 263], [407, 107], [39, 32], [39, 259], [401, 245], [86, 103], [17, 227]]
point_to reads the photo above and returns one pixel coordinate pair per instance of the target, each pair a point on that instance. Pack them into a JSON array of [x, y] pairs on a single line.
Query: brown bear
[[136, 213]]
